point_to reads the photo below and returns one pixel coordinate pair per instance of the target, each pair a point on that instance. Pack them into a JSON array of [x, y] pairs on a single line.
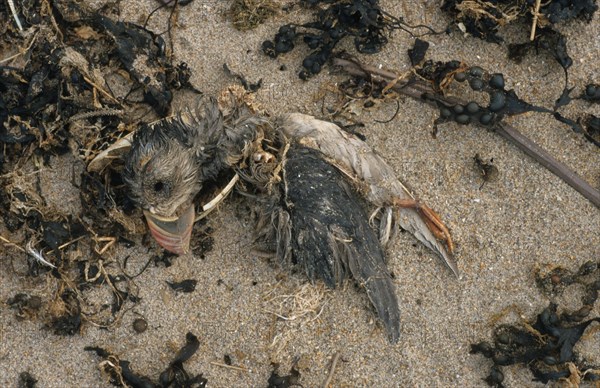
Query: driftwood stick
[[417, 88]]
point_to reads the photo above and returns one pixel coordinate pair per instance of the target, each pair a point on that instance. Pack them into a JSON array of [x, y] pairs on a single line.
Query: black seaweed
[[26, 380], [417, 53], [502, 102], [363, 20], [188, 285], [173, 376], [484, 19], [548, 40], [591, 93], [546, 345], [286, 381]]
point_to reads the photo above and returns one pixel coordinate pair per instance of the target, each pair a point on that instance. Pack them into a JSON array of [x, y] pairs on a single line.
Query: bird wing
[[369, 171], [322, 226]]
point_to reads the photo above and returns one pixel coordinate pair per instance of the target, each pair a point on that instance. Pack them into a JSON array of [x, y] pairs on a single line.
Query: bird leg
[[431, 218]]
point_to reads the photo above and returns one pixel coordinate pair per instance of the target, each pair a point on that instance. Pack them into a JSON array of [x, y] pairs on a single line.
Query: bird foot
[[430, 217]]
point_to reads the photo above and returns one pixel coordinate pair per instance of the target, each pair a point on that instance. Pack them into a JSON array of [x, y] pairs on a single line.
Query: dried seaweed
[[77, 83], [175, 375], [70, 321], [484, 19], [502, 102], [186, 286], [26, 306], [546, 345], [286, 381], [363, 20], [26, 380], [248, 14]]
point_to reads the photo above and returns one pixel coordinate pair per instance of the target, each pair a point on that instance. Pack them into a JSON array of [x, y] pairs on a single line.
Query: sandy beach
[[526, 218]]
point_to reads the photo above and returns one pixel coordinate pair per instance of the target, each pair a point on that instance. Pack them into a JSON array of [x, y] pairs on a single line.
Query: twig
[[13, 10], [100, 89], [238, 368], [536, 13], [61, 247], [334, 362], [22, 51], [416, 88], [95, 113], [12, 244]]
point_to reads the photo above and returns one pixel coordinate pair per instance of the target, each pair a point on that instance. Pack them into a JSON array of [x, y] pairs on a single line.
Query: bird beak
[[172, 233]]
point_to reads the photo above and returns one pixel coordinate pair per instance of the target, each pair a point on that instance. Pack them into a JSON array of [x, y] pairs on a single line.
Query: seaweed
[[502, 102], [186, 286], [363, 20], [286, 381], [26, 380], [591, 93], [546, 345], [248, 14], [417, 53], [484, 19], [175, 375]]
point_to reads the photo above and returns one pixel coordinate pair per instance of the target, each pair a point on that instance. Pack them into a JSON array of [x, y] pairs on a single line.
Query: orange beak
[[172, 233]]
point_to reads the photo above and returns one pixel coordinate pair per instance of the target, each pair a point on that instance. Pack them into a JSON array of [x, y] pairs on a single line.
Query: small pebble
[[140, 325], [458, 109], [590, 91]]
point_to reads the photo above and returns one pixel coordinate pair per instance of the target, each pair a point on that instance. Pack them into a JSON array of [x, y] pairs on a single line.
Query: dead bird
[[312, 185]]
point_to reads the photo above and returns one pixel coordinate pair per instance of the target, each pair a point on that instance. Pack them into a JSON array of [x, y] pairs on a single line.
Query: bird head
[[166, 167], [173, 159]]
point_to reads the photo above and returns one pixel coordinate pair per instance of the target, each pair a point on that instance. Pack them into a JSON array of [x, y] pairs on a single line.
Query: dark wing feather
[[327, 226]]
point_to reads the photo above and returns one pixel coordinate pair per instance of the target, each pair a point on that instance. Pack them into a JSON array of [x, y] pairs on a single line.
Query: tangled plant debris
[[546, 345], [79, 80], [432, 85], [363, 20], [120, 373], [483, 19], [247, 14]]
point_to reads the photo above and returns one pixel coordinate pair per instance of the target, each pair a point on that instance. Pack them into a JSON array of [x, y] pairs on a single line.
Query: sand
[[525, 219]]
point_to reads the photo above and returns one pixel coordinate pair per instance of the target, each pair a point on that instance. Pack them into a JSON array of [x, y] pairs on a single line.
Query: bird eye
[[159, 186]]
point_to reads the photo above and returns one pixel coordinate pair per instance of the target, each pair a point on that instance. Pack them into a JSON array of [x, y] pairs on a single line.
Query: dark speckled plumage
[[310, 182], [330, 235]]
